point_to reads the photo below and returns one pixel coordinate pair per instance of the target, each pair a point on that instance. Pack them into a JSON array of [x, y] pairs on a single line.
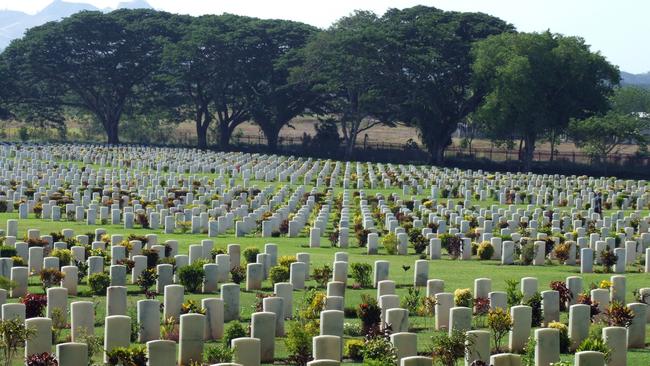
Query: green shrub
[[250, 254], [147, 279], [463, 297], [51, 277], [379, 349], [233, 330], [64, 255], [535, 302], [217, 354], [238, 274], [527, 253], [354, 349], [191, 276], [485, 251], [279, 274], [513, 294], [299, 344], [98, 283], [286, 260], [595, 344], [322, 275], [565, 342], [134, 355], [390, 243], [361, 273], [7, 251], [500, 323], [448, 348]]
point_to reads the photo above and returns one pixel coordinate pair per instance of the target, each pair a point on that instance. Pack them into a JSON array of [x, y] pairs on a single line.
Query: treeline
[[424, 67]]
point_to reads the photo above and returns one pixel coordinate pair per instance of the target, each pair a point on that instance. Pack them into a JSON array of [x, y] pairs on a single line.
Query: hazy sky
[[619, 29]]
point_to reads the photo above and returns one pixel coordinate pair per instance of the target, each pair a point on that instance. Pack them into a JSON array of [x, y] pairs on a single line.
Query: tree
[[203, 75], [536, 83], [272, 51], [599, 136], [344, 64], [429, 64], [631, 99], [92, 61]]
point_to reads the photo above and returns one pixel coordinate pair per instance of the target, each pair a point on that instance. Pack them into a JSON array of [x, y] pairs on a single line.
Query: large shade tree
[[430, 66], [538, 82], [273, 99], [91, 61], [203, 75], [345, 64]]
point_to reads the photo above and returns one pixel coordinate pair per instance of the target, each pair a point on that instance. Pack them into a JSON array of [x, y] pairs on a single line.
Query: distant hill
[[13, 24], [636, 79]]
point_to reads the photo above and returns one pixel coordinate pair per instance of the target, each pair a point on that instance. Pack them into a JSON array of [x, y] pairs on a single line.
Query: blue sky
[[618, 29]]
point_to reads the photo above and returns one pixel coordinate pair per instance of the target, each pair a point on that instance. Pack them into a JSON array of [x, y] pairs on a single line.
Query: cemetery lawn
[[455, 273]]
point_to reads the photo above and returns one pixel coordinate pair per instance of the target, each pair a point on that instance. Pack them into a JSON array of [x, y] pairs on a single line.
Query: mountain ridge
[[13, 24]]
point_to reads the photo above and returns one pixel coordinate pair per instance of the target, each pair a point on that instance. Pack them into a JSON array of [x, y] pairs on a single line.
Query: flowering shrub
[[463, 297], [369, 313]]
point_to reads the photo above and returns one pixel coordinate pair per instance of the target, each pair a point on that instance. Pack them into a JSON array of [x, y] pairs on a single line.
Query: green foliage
[[279, 274], [233, 330], [147, 279], [51, 277], [595, 344], [134, 355], [64, 255], [565, 341], [389, 242], [250, 254], [485, 251], [299, 344], [619, 315], [369, 312], [411, 301], [7, 251], [527, 253], [361, 273], [500, 323], [513, 293], [599, 136], [353, 349], [98, 283], [463, 297], [217, 354], [191, 277], [322, 275], [434, 106], [535, 302], [13, 334], [447, 348], [238, 274], [379, 349], [521, 72]]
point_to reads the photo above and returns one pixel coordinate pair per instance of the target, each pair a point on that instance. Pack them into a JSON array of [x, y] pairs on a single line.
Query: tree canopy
[[538, 82], [91, 60], [430, 69]]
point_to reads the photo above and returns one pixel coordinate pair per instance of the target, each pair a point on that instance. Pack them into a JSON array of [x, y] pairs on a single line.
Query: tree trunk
[[528, 153], [224, 135], [271, 135], [437, 152], [111, 127], [202, 135]]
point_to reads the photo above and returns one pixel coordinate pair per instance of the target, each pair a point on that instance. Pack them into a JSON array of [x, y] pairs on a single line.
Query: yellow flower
[[604, 284]]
